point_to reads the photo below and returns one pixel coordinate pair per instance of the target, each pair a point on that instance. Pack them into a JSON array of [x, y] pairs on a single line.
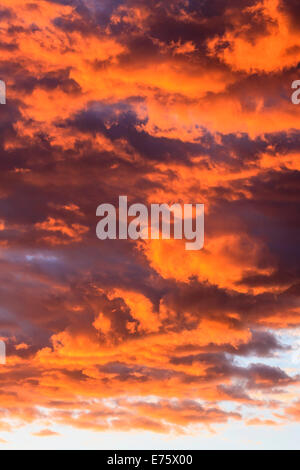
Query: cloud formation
[[164, 102]]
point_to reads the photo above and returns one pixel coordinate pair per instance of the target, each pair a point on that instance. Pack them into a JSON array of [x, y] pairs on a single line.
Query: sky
[[123, 344]]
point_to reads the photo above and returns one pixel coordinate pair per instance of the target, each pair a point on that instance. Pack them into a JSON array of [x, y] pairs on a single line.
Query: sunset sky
[[141, 344]]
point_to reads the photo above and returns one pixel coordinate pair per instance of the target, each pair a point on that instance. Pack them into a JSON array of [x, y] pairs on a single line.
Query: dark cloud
[[291, 9], [6, 14], [219, 366]]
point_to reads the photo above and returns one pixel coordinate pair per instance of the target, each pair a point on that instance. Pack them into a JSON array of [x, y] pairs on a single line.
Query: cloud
[[164, 102], [45, 433]]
